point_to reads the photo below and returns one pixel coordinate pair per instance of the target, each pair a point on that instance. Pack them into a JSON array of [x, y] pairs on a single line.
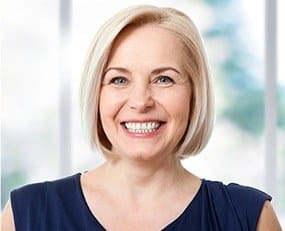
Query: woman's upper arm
[[268, 219], [7, 218]]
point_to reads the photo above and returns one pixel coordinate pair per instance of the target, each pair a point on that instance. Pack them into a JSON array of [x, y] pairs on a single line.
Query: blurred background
[[44, 44]]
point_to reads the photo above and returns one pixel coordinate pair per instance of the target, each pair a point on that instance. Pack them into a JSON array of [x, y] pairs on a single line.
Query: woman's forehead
[[145, 45]]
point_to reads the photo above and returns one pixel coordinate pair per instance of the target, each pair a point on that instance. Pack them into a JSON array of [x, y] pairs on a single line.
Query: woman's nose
[[140, 98]]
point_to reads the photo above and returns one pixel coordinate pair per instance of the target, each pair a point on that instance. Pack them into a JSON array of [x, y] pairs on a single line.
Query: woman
[[147, 102]]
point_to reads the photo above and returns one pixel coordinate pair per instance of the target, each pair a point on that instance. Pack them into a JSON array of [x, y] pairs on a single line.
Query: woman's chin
[[142, 156]]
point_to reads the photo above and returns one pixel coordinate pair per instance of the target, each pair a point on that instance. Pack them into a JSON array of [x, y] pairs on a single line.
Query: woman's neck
[[140, 179]]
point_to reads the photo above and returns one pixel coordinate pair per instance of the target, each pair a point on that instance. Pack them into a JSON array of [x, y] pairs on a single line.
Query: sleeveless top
[[60, 206]]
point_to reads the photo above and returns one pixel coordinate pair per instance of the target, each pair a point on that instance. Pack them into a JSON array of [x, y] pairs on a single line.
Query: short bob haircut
[[196, 66]]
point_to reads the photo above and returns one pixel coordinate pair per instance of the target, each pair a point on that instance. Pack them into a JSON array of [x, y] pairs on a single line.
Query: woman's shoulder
[[33, 203], [35, 189], [237, 192], [243, 193], [35, 194], [246, 202]]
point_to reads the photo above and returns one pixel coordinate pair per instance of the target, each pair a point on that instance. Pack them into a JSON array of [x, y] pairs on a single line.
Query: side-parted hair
[[196, 66]]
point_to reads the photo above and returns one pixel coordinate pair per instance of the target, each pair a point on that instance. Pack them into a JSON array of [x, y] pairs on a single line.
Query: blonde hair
[[196, 65]]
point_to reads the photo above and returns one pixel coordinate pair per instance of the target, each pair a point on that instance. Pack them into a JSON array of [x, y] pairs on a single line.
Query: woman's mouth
[[142, 127]]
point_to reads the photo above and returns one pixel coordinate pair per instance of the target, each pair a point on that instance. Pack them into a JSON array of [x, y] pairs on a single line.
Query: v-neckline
[[93, 217]]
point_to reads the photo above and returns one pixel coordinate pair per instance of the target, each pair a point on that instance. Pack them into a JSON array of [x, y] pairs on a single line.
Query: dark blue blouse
[[60, 206]]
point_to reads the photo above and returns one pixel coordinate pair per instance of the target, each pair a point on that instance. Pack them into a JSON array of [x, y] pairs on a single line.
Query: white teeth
[[142, 127]]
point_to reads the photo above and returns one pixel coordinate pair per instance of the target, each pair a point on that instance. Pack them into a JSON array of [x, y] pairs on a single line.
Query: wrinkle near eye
[[183, 80]]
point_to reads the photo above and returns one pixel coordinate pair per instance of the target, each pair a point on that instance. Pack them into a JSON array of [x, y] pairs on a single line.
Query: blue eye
[[164, 80], [121, 81]]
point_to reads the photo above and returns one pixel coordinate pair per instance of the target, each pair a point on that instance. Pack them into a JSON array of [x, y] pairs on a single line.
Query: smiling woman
[[194, 71], [147, 102]]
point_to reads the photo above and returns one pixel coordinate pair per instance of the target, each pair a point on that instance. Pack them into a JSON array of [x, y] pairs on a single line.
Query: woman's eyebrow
[[120, 69], [163, 69]]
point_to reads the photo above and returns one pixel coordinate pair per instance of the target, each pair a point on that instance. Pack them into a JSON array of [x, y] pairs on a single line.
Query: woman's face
[[145, 95]]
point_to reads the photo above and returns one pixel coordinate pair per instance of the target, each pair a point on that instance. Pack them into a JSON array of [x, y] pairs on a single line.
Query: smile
[[142, 127]]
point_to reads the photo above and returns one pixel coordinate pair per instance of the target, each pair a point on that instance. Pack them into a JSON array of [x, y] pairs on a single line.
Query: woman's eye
[[165, 80], [120, 81]]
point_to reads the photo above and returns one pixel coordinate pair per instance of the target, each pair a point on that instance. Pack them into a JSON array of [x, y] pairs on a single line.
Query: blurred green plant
[[244, 91], [10, 181]]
